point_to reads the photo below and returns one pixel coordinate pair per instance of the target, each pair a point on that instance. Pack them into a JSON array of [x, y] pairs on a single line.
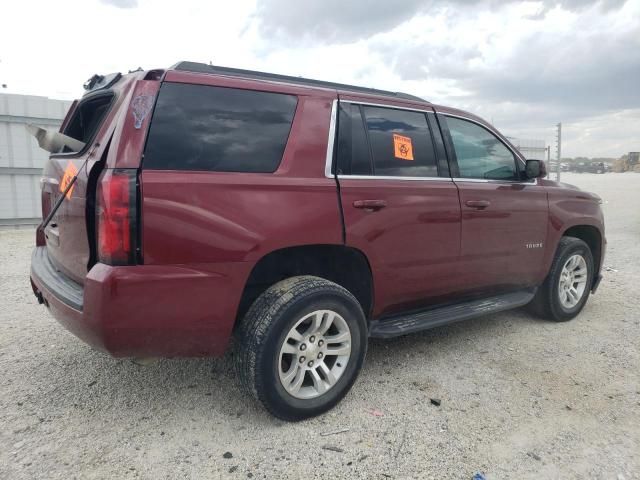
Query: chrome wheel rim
[[314, 354], [573, 281]]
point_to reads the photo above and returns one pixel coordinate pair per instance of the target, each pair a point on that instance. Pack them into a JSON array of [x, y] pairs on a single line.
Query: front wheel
[[301, 346], [566, 289]]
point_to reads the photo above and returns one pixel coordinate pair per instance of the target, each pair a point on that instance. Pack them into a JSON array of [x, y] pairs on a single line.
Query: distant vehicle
[[298, 217], [590, 167], [564, 167]]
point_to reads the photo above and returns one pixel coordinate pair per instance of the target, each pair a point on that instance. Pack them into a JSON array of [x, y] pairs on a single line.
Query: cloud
[[585, 70], [121, 3], [339, 21], [333, 20]]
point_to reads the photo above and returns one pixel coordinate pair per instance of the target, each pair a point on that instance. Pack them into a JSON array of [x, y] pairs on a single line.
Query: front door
[[400, 207], [504, 218]]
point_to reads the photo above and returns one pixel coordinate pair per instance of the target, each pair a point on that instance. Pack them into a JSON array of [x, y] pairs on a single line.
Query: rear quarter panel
[[225, 222], [193, 216]]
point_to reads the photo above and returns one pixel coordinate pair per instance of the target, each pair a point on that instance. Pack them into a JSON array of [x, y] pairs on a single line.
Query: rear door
[[504, 218], [66, 234], [400, 206], [99, 120]]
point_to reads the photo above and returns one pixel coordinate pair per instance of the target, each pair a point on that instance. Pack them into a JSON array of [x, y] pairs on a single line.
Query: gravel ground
[[521, 398]]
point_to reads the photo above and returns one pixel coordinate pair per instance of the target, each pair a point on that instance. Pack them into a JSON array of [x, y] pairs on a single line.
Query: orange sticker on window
[[402, 147], [70, 172]]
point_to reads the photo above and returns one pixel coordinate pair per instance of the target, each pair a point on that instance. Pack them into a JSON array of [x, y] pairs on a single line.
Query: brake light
[[116, 217]]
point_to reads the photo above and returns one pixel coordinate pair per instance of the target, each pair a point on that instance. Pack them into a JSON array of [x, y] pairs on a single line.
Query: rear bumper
[[145, 310]]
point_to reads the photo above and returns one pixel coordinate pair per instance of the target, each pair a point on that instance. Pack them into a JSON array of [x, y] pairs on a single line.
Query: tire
[[267, 330], [548, 302]]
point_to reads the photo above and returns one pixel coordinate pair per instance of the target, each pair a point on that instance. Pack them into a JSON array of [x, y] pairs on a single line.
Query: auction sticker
[[402, 147]]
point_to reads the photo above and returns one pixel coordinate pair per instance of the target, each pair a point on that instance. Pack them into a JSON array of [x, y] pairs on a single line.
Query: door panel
[[502, 242], [412, 243], [504, 219], [396, 207]]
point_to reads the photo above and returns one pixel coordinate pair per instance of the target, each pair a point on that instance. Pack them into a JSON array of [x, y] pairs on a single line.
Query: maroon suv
[[189, 205]]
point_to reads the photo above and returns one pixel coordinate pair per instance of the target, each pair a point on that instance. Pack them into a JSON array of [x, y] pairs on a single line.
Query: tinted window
[[400, 143], [197, 127], [353, 152], [480, 153], [88, 118]]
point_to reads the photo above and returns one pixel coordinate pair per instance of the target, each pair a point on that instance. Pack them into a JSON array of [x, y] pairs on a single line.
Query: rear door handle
[[479, 204], [372, 205]]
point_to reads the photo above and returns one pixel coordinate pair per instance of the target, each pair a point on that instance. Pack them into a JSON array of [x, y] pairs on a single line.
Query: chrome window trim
[[499, 136], [395, 107], [490, 180], [380, 177], [331, 140]]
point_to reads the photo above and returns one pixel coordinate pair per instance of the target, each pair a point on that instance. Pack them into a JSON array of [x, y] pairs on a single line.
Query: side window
[[198, 127], [400, 142], [354, 157], [480, 154]]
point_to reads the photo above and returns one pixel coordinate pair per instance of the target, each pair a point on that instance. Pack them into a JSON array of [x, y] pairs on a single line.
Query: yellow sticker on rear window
[[402, 147], [70, 172]]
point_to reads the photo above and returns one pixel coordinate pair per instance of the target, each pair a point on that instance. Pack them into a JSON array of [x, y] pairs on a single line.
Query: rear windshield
[[199, 127], [88, 117]]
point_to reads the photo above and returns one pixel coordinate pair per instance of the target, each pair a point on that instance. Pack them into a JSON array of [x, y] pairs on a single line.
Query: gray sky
[[522, 65]]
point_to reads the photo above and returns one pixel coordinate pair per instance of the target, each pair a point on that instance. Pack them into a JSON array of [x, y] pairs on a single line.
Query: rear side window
[[354, 157], [400, 142], [198, 127]]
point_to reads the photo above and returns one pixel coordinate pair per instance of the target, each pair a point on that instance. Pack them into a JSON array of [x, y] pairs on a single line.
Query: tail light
[[116, 217]]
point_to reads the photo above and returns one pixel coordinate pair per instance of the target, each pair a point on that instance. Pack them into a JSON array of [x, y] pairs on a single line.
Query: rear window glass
[[198, 127], [400, 142], [88, 117]]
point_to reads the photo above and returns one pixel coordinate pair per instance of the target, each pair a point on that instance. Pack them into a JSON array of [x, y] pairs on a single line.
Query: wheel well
[[348, 267], [591, 236]]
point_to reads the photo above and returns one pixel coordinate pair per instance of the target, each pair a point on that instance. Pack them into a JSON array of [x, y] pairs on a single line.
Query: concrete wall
[[21, 160]]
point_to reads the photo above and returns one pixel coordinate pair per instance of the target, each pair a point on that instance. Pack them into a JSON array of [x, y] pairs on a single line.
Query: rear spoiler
[[52, 141]]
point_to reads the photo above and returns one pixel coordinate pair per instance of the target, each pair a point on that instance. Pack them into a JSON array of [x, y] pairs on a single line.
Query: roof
[[255, 75]]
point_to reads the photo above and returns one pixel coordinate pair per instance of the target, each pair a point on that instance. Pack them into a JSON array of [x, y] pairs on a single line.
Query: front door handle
[[371, 205], [479, 204]]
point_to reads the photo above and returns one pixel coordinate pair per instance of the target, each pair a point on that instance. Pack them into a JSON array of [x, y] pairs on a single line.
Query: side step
[[438, 316]]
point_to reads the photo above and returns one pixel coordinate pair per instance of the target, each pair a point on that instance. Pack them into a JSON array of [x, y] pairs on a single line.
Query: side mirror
[[535, 169]]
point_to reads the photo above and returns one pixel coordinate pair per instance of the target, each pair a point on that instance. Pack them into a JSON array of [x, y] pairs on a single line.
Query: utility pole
[[559, 150]]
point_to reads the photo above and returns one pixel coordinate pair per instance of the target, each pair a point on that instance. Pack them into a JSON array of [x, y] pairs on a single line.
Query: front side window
[[199, 127], [480, 154], [400, 142]]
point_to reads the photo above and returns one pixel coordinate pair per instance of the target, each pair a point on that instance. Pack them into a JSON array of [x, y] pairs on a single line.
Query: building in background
[[634, 158], [21, 160]]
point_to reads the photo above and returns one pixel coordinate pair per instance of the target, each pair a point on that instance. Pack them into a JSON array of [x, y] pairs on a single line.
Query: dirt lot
[[521, 398]]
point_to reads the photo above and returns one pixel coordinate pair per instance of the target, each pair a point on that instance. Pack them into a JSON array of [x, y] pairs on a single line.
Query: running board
[[436, 317]]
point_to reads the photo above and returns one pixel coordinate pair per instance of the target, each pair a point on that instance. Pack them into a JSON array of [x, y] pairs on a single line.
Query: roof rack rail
[[237, 72]]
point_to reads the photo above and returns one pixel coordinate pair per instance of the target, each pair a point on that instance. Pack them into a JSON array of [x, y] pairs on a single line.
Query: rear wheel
[[301, 346], [566, 289]]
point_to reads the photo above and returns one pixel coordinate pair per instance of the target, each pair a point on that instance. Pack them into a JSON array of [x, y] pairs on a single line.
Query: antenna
[[558, 149]]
